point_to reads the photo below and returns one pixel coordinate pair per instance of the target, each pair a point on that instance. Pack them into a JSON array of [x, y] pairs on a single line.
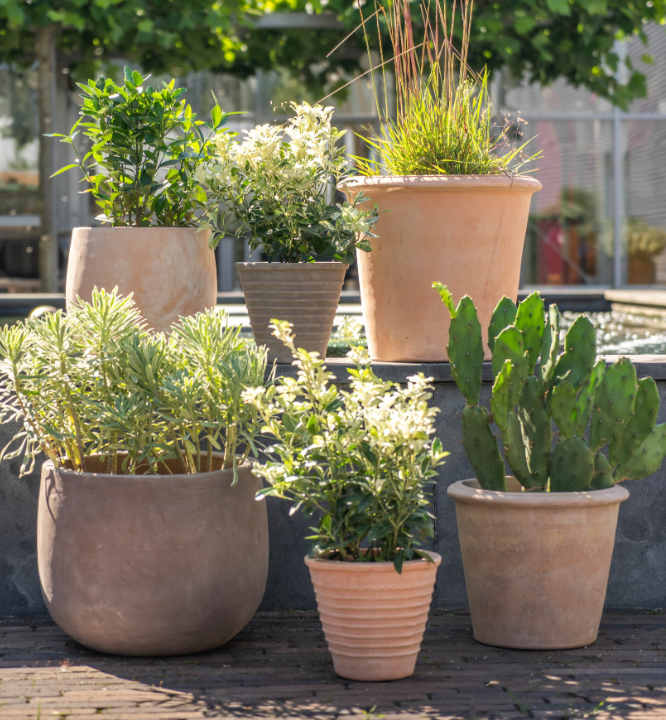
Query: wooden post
[[46, 59]]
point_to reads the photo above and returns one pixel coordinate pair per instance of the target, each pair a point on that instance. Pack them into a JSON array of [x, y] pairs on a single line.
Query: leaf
[[216, 116]]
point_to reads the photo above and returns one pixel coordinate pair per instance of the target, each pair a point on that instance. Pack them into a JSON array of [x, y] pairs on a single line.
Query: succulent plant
[[571, 388]]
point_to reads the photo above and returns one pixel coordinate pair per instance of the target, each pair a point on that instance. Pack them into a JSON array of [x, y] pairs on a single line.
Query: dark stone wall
[[638, 572]]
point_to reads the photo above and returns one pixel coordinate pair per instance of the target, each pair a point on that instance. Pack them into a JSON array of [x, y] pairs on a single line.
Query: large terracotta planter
[[305, 294], [151, 565], [170, 271], [373, 617], [536, 564], [465, 231]]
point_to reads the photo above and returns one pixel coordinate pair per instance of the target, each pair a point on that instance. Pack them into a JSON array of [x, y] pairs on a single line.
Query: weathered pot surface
[[170, 271], [305, 294], [151, 565], [536, 564], [465, 231], [373, 617]]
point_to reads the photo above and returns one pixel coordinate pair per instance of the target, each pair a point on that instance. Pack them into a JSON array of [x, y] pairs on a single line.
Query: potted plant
[[537, 546], [275, 186], [360, 463], [144, 146], [445, 178], [149, 540]]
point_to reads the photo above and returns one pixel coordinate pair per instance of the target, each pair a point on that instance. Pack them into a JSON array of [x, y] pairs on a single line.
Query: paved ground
[[279, 667]]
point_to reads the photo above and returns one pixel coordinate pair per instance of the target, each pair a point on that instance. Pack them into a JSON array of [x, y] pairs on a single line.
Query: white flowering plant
[[360, 460], [274, 187]]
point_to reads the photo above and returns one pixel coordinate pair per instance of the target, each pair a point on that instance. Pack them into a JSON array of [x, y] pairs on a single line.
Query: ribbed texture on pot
[[305, 294], [373, 618]]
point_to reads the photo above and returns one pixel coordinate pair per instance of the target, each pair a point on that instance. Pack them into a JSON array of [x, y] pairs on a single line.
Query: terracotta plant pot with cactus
[[537, 545]]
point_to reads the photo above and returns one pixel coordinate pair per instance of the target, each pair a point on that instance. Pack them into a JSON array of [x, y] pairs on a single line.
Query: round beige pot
[[536, 564], [373, 617], [465, 231], [170, 271], [151, 565], [305, 294]]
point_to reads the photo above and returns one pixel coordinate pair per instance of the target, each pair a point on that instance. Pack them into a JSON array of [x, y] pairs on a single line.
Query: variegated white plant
[[361, 459]]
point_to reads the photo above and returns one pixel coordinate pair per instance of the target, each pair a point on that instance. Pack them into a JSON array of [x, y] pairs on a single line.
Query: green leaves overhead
[[144, 149]]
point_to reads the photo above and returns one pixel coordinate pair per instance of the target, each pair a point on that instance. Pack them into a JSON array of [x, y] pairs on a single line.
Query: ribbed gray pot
[[305, 294]]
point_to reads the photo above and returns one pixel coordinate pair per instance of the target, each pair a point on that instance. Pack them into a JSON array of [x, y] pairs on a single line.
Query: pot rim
[[464, 491], [150, 228], [265, 265], [381, 566], [108, 476], [451, 182]]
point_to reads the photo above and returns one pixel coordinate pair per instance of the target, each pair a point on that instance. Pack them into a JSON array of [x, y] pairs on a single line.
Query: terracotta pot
[[171, 271], [151, 564], [536, 564], [305, 294], [373, 617], [465, 231]]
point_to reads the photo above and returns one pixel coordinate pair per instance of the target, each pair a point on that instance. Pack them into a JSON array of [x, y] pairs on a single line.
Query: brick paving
[[279, 667]]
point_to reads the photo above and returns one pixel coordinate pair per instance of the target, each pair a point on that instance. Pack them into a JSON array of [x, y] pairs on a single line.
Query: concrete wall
[[638, 573]]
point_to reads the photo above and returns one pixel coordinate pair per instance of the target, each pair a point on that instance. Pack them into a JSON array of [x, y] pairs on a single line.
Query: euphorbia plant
[[95, 382], [275, 188], [146, 145], [361, 459]]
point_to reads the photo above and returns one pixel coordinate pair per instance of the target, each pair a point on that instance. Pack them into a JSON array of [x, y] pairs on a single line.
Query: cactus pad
[[562, 406], [537, 431], [646, 459], [482, 449], [530, 320], [514, 450], [585, 401], [603, 472], [640, 424], [499, 401], [613, 402], [580, 349], [503, 316], [572, 466], [550, 347], [509, 346], [466, 350]]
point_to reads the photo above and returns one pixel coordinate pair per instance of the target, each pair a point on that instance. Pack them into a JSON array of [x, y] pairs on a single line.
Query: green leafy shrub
[[592, 406], [362, 459], [445, 123], [94, 382], [275, 187], [146, 145]]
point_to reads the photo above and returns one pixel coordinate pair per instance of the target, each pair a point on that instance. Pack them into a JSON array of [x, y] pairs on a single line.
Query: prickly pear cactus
[[536, 384]]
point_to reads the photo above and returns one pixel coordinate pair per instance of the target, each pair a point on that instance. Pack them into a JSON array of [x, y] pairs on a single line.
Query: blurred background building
[[599, 221]]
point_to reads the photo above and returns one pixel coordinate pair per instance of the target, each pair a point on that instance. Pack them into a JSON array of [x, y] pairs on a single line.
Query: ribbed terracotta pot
[[373, 617], [151, 565], [536, 564], [170, 271], [305, 294], [465, 231]]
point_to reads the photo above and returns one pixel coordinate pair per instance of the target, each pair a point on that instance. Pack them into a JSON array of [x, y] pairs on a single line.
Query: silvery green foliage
[[95, 381], [361, 459], [275, 186]]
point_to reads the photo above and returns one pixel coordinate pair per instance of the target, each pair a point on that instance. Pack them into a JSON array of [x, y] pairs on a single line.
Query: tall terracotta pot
[[305, 294], [465, 231], [151, 564], [373, 617], [171, 271], [536, 564]]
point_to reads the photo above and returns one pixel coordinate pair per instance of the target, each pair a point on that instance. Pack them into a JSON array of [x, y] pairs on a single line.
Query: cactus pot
[[305, 294], [465, 231], [170, 271], [151, 564], [536, 564], [373, 617]]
